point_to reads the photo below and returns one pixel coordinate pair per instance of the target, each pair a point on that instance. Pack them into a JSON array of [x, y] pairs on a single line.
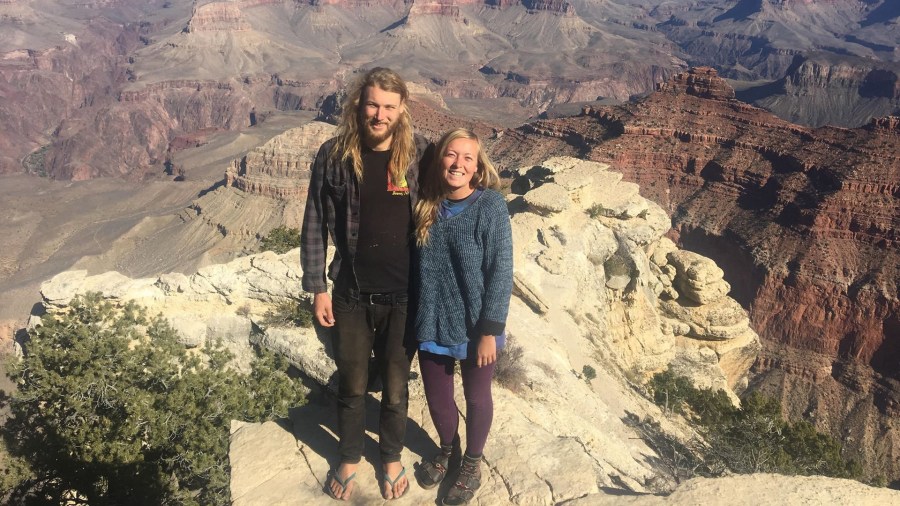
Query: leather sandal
[[435, 470]]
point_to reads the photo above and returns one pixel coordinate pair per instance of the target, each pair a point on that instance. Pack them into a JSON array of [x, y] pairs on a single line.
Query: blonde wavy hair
[[349, 142], [433, 190]]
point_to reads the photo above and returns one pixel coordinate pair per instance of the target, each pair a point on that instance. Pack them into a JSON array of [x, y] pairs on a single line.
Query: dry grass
[[510, 368]]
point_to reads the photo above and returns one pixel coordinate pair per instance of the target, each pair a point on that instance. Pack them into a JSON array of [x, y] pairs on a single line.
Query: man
[[362, 191]]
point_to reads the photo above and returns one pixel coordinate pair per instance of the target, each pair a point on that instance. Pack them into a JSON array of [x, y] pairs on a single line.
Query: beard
[[372, 137]]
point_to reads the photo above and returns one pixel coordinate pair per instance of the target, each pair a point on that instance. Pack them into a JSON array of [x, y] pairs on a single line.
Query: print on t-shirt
[[401, 189]]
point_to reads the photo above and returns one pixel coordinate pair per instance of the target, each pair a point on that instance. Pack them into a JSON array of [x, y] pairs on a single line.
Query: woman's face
[[459, 164]]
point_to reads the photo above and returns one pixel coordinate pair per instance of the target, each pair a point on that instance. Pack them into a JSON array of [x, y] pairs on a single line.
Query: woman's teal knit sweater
[[465, 274]]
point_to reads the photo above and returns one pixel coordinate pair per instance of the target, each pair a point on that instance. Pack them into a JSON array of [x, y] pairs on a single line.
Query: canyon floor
[[52, 226]]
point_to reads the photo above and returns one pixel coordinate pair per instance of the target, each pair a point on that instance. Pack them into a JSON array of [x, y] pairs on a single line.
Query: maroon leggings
[[437, 376]]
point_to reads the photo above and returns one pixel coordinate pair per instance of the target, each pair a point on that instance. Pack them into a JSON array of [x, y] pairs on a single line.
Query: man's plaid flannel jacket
[[332, 209]]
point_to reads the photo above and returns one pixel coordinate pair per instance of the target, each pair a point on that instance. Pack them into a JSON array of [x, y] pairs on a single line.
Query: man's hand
[[487, 350], [322, 309]]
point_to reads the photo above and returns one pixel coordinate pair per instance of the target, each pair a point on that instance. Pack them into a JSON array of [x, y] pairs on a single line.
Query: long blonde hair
[[433, 191], [349, 144]]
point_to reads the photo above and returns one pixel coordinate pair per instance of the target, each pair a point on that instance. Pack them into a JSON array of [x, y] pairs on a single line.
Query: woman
[[465, 280]]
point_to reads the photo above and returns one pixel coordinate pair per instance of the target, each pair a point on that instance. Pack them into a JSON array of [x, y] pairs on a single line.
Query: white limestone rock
[[274, 277], [173, 282], [559, 163], [715, 321], [62, 288], [191, 331], [587, 243], [598, 242], [580, 175], [304, 348], [549, 198], [698, 278], [755, 489], [660, 250], [270, 467], [233, 331]]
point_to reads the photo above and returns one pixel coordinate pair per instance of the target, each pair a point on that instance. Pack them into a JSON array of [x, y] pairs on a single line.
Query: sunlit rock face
[[280, 167]]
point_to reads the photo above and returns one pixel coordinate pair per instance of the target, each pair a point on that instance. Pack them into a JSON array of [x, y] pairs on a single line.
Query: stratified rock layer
[[701, 82], [217, 16], [819, 89], [280, 167], [802, 221]]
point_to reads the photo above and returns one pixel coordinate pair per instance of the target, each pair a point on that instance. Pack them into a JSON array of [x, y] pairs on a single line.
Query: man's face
[[379, 113]]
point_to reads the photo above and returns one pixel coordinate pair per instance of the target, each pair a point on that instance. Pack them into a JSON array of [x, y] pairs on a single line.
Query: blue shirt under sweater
[[465, 275]]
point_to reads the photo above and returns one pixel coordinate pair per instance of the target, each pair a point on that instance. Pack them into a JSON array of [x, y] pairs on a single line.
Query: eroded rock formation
[[43, 86], [802, 221], [820, 89], [217, 16], [280, 167], [698, 81], [89, 97]]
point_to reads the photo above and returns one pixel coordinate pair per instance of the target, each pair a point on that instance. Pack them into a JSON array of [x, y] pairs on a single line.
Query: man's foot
[[395, 483], [341, 484]]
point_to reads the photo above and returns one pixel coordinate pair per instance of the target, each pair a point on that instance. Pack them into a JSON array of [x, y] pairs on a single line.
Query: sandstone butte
[[604, 289], [802, 220]]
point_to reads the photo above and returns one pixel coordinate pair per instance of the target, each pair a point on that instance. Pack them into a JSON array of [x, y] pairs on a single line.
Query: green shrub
[[111, 408], [753, 438], [597, 211], [281, 240], [289, 312], [678, 394], [589, 373]]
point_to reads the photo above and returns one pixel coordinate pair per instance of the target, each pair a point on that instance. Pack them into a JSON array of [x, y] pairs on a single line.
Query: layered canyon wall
[[106, 97], [819, 89], [803, 222], [280, 167], [42, 87]]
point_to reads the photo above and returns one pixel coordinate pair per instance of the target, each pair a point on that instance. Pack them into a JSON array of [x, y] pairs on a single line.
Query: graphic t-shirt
[[385, 228]]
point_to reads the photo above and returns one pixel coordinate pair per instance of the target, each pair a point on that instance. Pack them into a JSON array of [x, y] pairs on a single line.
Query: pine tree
[[112, 409]]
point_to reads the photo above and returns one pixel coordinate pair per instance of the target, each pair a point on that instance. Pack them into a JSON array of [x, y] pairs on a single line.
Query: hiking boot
[[434, 471], [468, 481]]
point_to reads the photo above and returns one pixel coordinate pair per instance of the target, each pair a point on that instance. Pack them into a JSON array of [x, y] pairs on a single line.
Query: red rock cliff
[[217, 16], [803, 221]]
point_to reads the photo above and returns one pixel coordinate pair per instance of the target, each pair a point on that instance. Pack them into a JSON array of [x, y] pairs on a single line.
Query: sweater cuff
[[490, 328]]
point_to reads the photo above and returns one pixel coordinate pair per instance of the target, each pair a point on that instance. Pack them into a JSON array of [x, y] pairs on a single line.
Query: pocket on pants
[[342, 304]]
